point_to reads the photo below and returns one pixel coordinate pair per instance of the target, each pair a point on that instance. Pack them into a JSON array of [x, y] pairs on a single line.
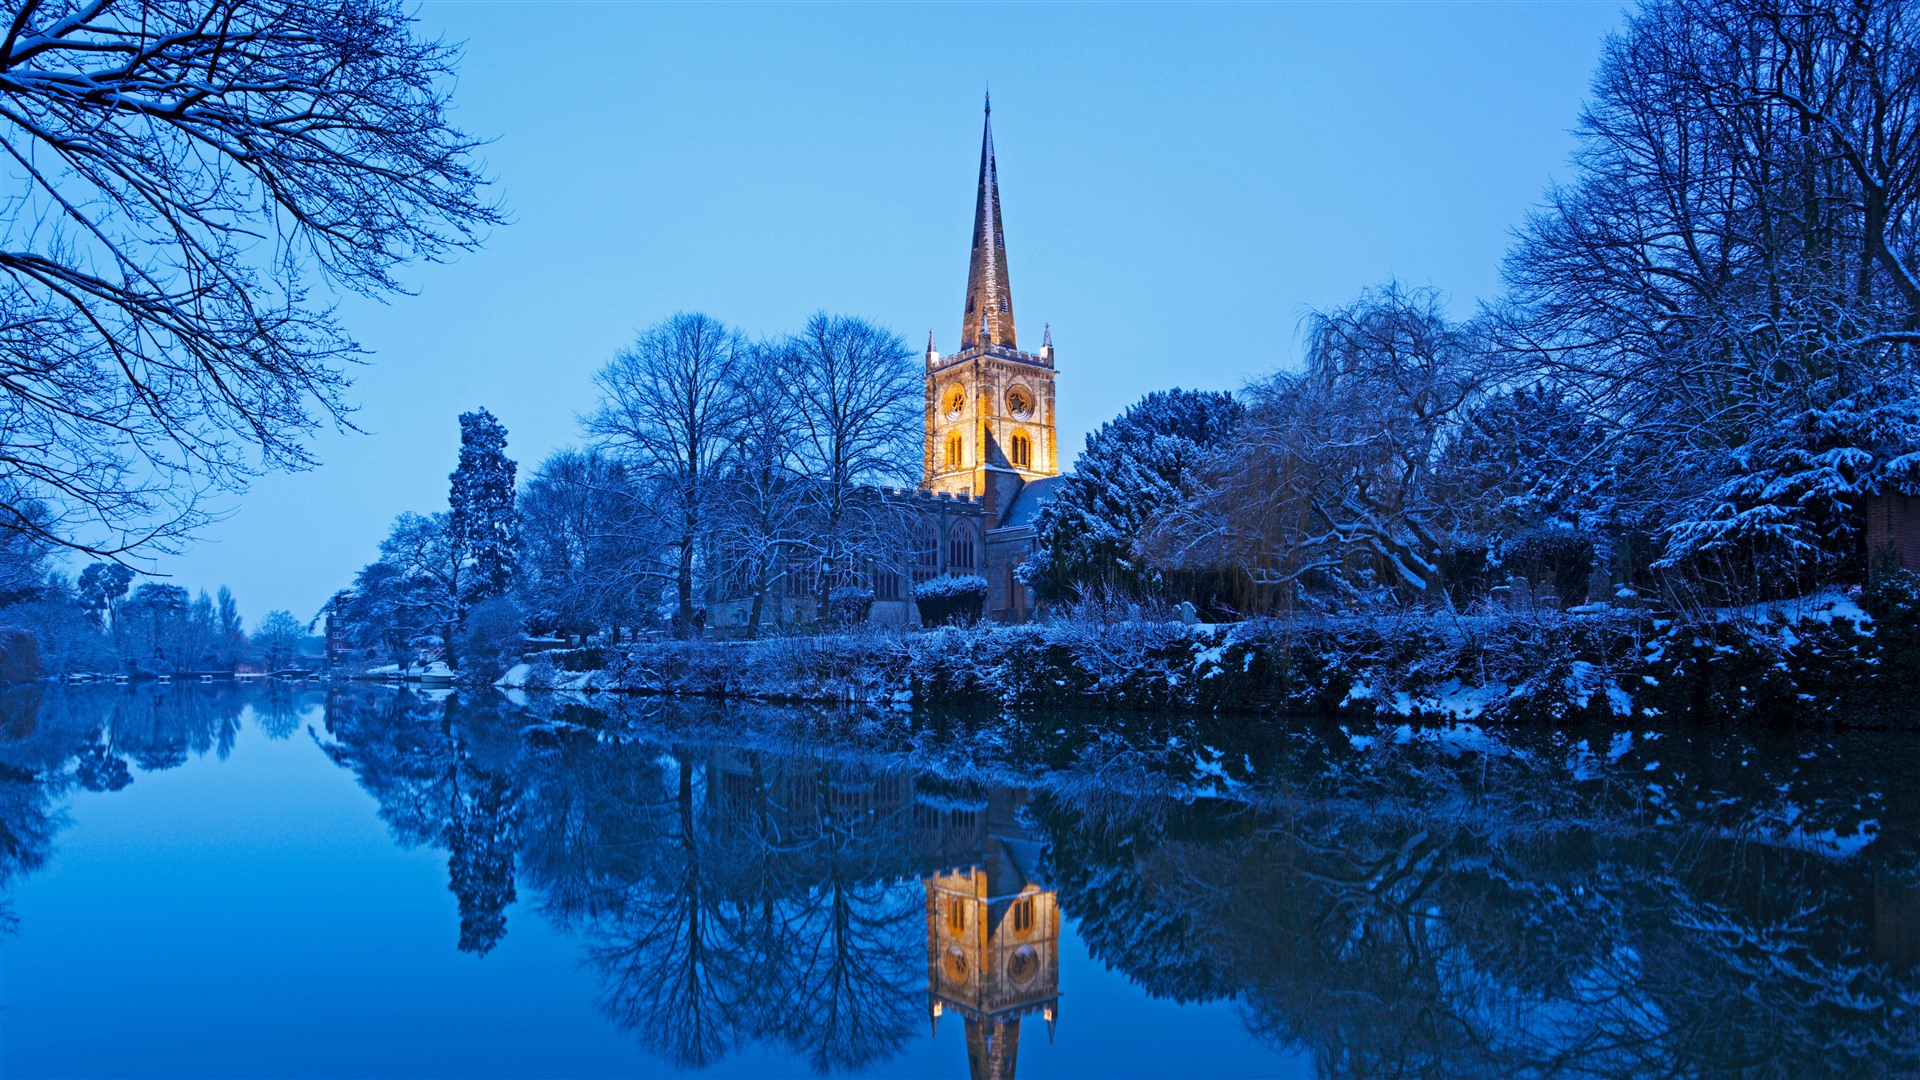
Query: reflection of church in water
[[993, 933], [992, 925]]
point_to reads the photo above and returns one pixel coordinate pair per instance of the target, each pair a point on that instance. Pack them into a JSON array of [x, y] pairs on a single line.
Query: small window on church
[[956, 914], [1003, 305], [956, 452], [1022, 451]]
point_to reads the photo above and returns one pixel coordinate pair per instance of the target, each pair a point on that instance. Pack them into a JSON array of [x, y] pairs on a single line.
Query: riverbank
[[1832, 658]]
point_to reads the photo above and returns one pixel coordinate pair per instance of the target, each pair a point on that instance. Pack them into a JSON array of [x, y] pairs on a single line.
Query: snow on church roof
[[1034, 494]]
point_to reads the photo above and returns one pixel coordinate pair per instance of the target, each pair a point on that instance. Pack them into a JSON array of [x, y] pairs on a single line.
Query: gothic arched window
[[960, 548], [1022, 450], [956, 451]]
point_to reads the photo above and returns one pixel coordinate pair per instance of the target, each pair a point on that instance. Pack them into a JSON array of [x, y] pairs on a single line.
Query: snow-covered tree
[[1324, 492], [279, 638], [1135, 466], [100, 589], [1734, 265], [429, 588], [481, 523]]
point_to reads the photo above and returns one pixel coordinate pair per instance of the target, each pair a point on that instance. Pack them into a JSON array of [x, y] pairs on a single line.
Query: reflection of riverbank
[[1413, 900]]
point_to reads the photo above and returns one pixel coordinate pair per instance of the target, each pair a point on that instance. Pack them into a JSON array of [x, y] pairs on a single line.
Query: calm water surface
[[220, 881]]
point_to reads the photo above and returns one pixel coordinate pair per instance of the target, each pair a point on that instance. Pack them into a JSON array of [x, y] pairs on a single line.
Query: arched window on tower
[[1022, 450], [960, 548], [956, 451]]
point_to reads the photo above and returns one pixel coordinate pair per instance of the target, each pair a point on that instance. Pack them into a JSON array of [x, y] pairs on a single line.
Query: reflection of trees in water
[[1603, 905], [1495, 917], [1587, 904], [766, 904], [54, 738], [444, 776]]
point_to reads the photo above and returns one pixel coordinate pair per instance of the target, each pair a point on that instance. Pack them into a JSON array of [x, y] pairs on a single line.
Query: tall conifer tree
[[480, 500]]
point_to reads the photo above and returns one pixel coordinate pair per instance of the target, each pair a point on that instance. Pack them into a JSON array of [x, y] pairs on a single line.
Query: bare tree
[[760, 515], [668, 405], [579, 554], [859, 395], [184, 174]]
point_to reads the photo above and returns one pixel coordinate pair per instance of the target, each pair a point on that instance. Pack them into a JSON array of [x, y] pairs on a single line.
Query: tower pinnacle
[[989, 317]]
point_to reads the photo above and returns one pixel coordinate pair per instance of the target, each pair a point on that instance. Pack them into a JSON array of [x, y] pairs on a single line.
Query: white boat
[[437, 674]]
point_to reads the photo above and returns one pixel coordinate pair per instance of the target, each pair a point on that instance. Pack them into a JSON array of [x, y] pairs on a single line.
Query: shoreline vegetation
[[1837, 658]]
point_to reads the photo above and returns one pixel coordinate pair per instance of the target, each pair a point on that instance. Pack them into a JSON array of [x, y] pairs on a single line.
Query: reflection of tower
[[993, 933]]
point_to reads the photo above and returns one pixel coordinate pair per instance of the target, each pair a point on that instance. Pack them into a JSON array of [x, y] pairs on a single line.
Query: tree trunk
[[685, 588]]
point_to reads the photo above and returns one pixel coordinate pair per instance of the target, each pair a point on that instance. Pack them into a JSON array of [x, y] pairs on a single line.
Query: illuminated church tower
[[990, 421]]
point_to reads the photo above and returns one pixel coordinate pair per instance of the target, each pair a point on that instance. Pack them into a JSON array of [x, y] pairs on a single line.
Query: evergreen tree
[[480, 503], [1134, 466], [231, 630]]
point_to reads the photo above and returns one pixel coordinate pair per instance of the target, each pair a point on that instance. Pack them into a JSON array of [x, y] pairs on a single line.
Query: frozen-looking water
[[270, 881]]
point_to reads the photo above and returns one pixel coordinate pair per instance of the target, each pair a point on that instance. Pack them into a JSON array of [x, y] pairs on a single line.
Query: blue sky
[[1180, 185]]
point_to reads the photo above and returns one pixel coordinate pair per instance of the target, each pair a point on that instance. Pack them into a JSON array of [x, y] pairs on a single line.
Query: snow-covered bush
[[951, 598], [490, 639], [1555, 558], [849, 605]]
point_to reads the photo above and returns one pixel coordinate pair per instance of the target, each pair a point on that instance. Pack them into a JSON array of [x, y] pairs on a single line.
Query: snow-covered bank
[[1826, 660]]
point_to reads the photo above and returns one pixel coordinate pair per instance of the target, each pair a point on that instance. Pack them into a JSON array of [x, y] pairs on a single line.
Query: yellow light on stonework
[[937, 1010]]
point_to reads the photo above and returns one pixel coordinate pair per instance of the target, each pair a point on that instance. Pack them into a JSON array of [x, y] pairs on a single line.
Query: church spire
[[989, 318]]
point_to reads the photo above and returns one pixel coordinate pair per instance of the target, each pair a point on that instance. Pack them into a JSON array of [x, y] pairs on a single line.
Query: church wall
[[1007, 599]]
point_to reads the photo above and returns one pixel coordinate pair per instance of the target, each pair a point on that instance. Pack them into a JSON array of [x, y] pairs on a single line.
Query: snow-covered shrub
[[490, 639], [1560, 559], [849, 605], [19, 656], [951, 598]]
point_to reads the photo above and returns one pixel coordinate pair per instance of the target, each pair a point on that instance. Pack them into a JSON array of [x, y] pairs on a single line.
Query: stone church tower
[[990, 419]]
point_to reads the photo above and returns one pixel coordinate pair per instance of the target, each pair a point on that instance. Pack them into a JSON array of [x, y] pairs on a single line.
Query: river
[[283, 881]]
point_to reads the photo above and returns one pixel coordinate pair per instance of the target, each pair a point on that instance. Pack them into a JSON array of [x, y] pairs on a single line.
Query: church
[[992, 448], [992, 454]]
